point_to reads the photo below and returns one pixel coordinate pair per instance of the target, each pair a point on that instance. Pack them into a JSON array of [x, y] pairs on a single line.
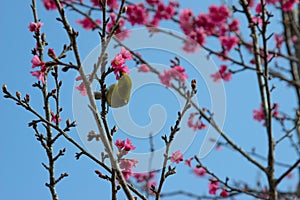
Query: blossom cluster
[[118, 63], [175, 72], [124, 146], [198, 125], [213, 23], [259, 116]]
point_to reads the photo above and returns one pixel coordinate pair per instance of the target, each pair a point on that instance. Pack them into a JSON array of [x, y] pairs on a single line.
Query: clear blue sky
[[22, 175]]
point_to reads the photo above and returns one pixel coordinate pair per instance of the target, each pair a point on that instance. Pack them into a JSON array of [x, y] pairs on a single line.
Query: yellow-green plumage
[[118, 94]]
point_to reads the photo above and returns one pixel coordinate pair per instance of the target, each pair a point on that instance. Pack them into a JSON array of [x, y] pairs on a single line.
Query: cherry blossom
[[152, 2], [88, 24], [40, 75], [199, 171], [144, 68], [259, 116], [35, 27], [175, 72], [188, 162], [198, 125], [121, 33], [118, 63], [213, 187], [49, 4], [289, 4], [125, 145], [137, 14], [51, 53], [36, 62], [223, 73], [82, 89], [176, 157], [229, 42], [224, 193], [53, 118], [218, 15], [279, 40], [128, 164]]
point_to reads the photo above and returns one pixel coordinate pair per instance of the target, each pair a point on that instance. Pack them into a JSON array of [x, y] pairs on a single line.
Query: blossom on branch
[[40, 74], [36, 62], [118, 63], [82, 89], [88, 24], [223, 73], [176, 157], [175, 72], [137, 14], [35, 27], [144, 68]]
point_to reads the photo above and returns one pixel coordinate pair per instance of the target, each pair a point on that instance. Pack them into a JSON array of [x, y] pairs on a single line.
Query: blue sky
[[22, 175]]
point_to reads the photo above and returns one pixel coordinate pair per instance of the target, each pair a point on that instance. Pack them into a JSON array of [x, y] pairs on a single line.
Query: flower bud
[[27, 98], [18, 94]]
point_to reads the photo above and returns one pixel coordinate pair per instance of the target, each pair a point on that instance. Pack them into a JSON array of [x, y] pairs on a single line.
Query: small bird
[[118, 94]]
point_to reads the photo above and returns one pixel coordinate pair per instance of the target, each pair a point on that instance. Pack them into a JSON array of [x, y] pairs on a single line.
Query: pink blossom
[[53, 118], [35, 27], [198, 125], [258, 115], [142, 177], [204, 21], [213, 187], [49, 4], [51, 53], [289, 4], [199, 171], [150, 184], [128, 164], [88, 24], [272, 1], [234, 25], [188, 162], [279, 40], [258, 8], [127, 174], [176, 157], [224, 193], [152, 2], [128, 145], [78, 78], [223, 73], [118, 61], [186, 19], [119, 70], [251, 3], [126, 54], [190, 46], [82, 89], [120, 33], [176, 72], [137, 14], [120, 144], [111, 3], [144, 68], [125, 145], [257, 20], [36, 62], [229, 42], [218, 15], [40, 75]]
